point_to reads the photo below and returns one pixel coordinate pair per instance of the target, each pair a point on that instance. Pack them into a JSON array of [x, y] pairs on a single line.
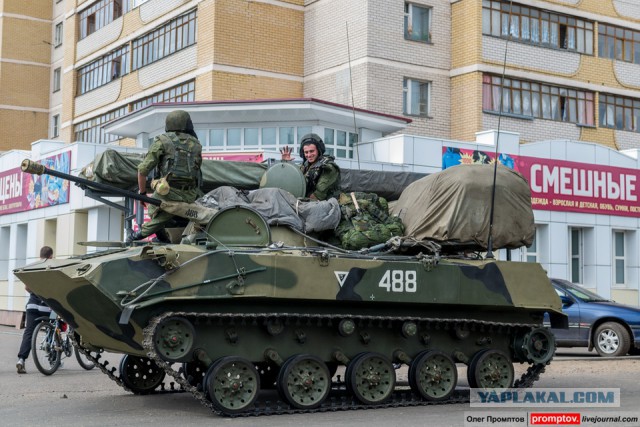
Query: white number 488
[[399, 281]]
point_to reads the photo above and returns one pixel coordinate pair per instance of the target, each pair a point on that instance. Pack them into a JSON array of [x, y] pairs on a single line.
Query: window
[[55, 126], [175, 35], [56, 79], [575, 251], [531, 253], [536, 100], [524, 24], [417, 23], [618, 43], [136, 3], [184, 92], [416, 97], [617, 112], [103, 70], [98, 15], [339, 143], [58, 35], [91, 130], [619, 257]]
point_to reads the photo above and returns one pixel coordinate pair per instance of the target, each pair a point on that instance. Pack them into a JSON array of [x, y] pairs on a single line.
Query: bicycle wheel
[[45, 348], [84, 361]]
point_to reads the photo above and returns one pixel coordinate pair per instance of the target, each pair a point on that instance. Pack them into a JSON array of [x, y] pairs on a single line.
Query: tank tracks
[[338, 399]]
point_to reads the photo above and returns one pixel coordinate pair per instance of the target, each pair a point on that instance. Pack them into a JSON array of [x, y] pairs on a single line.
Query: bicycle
[[51, 342]]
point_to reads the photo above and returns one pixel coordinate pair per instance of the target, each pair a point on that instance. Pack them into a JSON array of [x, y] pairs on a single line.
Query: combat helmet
[[312, 138], [179, 121]]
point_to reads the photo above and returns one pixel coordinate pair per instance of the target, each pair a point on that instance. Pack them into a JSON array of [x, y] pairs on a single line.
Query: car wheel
[[611, 340]]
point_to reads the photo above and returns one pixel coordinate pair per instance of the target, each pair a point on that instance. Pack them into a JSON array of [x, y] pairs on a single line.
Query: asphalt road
[[75, 397]]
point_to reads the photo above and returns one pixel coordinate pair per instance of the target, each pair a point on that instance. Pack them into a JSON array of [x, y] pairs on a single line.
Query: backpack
[[367, 226], [181, 161]]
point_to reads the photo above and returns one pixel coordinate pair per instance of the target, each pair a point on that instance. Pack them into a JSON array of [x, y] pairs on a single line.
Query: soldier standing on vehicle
[[321, 172], [36, 308], [177, 157]]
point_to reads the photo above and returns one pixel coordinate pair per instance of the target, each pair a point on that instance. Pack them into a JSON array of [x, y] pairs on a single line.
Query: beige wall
[[25, 51], [256, 35]]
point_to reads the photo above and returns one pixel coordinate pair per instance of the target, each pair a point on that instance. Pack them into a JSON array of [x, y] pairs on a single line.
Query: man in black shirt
[[35, 308]]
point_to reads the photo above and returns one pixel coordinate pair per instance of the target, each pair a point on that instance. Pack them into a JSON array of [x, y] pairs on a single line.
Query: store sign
[[21, 191], [255, 157], [559, 185]]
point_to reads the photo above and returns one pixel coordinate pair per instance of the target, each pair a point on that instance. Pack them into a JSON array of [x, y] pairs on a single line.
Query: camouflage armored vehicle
[[254, 311]]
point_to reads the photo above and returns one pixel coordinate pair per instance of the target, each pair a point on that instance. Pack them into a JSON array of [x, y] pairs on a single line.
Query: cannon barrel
[[32, 167]]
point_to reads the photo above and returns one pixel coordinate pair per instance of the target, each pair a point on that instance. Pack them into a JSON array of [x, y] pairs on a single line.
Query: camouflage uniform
[[323, 178], [160, 154], [323, 175]]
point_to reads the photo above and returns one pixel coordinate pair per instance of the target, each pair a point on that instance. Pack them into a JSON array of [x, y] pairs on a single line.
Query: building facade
[[553, 68], [257, 74]]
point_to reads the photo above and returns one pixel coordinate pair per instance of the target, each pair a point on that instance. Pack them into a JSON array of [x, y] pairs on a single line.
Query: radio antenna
[[496, 161], [353, 106]]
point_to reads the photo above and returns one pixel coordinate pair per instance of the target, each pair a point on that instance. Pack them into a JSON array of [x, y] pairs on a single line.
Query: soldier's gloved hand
[[286, 152]]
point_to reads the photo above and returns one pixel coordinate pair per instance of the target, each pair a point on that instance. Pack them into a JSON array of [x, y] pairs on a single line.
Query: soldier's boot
[[163, 236], [134, 235]]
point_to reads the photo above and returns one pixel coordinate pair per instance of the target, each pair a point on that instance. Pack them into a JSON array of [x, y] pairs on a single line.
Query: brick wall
[[533, 130], [258, 36], [21, 128], [466, 31], [35, 9], [230, 86], [466, 106]]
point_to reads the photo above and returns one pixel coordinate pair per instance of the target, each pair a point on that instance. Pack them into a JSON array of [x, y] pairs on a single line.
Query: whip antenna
[[495, 164], [353, 106]]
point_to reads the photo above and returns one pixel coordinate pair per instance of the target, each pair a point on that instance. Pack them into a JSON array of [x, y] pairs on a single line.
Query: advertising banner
[[256, 157], [21, 192], [560, 185]]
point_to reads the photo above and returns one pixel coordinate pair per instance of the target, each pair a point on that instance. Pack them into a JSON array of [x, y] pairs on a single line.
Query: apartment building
[[545, 69]]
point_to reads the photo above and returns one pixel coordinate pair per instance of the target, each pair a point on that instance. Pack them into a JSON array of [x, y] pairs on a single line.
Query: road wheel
[[141, 375], [232, 384], [611, 340], [490, 368]]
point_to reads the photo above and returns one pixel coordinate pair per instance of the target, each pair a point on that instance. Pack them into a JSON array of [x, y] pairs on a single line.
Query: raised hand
[[286, 153]]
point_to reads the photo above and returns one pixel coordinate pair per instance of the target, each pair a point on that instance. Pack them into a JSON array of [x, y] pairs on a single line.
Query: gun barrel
[[32, 167]]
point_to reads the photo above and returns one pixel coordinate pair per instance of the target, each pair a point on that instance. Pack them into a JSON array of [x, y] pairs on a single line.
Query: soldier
[[177, 157], [321, 172]]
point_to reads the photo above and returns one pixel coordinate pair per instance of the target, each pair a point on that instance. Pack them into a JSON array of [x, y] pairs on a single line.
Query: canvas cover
[[277, 207], [121, 170], [454, 205], [387, 184]]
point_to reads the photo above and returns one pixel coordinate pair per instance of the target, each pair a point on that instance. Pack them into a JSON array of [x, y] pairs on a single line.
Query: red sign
[[560, 185], [21, 192], [579, 187], [234, 156]]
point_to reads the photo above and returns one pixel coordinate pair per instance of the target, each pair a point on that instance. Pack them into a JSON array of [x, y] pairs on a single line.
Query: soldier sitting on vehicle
[[177, 155], [321, 172]]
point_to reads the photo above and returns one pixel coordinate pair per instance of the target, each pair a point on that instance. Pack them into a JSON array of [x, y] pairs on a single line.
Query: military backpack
[[180, 165], [366, 221]]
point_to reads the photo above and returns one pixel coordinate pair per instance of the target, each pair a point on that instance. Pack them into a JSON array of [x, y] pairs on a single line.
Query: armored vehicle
[[256, 318]]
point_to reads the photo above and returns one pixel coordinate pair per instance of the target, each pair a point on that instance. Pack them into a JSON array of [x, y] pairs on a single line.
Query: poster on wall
[[20, 192], [561, 185], [233, 156]]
